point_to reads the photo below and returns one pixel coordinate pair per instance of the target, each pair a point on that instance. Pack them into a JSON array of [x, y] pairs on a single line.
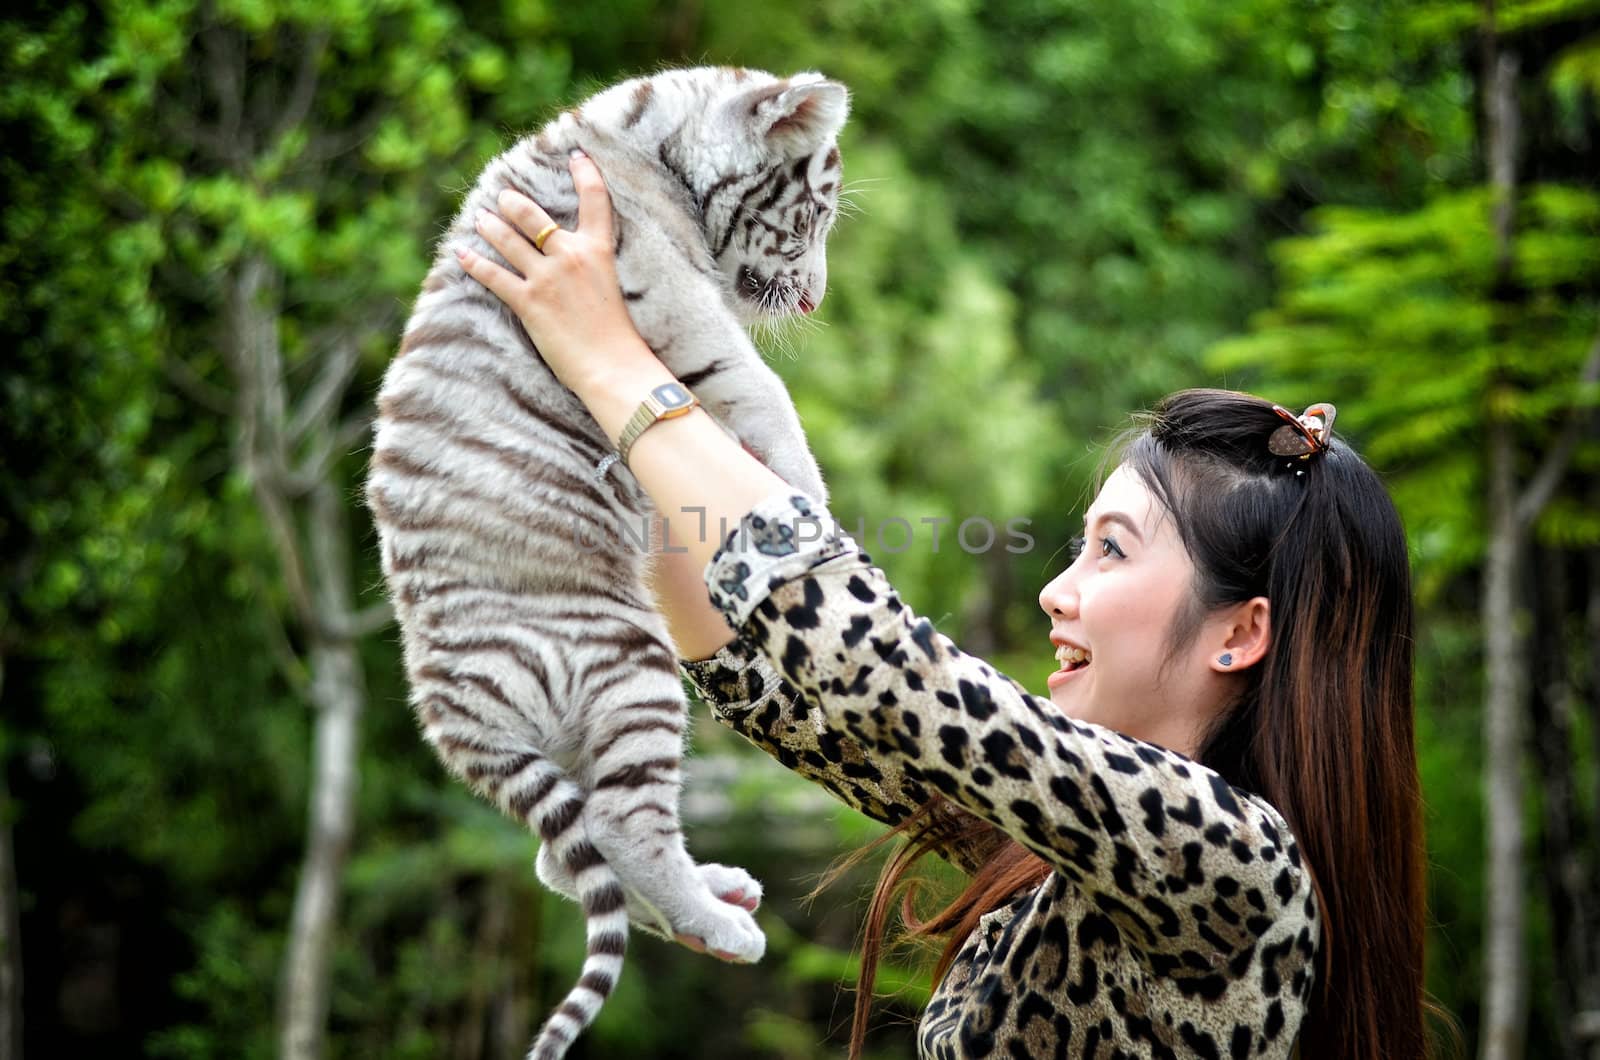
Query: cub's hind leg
[[729, 883], [634, 746], [475, 695]]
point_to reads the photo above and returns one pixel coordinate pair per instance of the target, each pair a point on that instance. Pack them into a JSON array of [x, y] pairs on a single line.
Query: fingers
[[505, 284], [594, 202], [511, 241], [529, 217]]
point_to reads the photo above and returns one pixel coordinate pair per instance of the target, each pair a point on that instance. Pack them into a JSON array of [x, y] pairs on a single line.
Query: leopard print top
[[1179, 920]]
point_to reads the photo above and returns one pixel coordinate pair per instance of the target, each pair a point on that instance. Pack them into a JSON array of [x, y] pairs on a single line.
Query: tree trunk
[[338, 692], [1505, 961], [10, 930], [307, 521], [1505, 995]]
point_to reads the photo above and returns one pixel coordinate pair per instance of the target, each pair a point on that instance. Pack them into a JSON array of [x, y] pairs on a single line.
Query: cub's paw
[[724, 931], [732, 885]]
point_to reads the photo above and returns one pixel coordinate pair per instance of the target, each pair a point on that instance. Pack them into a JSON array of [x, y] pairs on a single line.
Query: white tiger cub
[[539, 669]]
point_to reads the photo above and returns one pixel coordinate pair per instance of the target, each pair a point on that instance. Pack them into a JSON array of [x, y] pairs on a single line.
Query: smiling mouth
[[1073, 661]]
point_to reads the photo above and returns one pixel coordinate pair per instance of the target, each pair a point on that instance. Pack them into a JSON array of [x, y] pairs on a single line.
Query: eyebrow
[[1121, 520]]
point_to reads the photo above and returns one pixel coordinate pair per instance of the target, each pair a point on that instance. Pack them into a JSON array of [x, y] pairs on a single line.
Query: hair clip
[[1305, 435]]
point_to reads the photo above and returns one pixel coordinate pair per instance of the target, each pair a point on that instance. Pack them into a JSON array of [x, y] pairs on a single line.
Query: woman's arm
[[697, 628], [746, 693], [570, 302], [1187, 866]]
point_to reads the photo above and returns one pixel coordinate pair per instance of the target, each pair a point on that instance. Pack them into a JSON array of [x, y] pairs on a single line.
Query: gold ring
[[544, 234]]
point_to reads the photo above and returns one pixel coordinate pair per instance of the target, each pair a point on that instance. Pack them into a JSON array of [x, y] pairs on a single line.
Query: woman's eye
[[1074, 550], [1109, 547]]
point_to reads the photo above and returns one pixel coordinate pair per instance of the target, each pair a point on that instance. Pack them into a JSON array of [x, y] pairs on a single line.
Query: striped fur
[[539, 670]]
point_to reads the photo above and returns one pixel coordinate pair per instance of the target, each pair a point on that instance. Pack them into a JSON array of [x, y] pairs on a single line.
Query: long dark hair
[[1323, 729]]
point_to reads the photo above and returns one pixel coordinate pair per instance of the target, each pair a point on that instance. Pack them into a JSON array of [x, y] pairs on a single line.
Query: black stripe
[[492, 687], [504, 768], [639, 725], [402, 409], [560, 819], [777, 193], [671, 163], [416, 521], [642, 95], [599, 982], [626, 670], [502, 645], [546, 784], [726, 182], [390, 459], [583, 443], [524, 803], [583, 855], [609, 944], [738, 211], [629, 638], [438, 333], [457, 744], [637, 774], [398, 562], [604, 900], [521, 805], [518, 463], [699, 375]]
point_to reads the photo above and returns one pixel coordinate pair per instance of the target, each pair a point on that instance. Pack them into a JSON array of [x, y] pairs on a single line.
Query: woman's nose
[[1059, 597]]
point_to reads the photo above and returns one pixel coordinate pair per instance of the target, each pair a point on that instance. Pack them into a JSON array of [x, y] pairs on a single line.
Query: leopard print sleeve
[[1183, 862], [746, 694]]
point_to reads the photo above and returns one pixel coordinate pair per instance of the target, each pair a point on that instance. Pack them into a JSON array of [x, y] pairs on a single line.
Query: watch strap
[[665, 402]]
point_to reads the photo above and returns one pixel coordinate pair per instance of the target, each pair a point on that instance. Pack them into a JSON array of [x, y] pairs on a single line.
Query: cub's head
[[763, 162]]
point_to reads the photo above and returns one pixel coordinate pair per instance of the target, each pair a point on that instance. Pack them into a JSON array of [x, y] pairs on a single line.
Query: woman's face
[[1111, 615]]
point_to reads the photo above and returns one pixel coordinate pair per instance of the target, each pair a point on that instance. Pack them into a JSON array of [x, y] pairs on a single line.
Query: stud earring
[[1226, 658]]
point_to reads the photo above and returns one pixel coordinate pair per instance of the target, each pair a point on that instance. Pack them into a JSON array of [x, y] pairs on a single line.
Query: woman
[[1207, 840]]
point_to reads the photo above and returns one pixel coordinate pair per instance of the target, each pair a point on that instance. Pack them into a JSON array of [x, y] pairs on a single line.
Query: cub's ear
[[796, 117]]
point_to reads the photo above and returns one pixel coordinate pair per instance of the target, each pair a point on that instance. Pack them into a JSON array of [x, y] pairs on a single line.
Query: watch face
[[671, 395]]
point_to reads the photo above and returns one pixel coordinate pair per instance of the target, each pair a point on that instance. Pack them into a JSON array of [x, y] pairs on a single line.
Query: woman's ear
[[1243, 634]]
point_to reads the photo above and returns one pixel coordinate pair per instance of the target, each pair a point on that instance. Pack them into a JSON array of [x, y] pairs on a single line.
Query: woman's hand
[[567, 295]]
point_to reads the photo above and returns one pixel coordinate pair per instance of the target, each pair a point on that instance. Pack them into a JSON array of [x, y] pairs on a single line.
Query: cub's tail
[[553, 805]]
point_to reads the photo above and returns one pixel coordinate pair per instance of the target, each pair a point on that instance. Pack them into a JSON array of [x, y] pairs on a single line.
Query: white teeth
[[1067, 654]]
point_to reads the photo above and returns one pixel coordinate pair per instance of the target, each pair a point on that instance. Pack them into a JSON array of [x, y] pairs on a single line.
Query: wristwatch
[[667, 401]]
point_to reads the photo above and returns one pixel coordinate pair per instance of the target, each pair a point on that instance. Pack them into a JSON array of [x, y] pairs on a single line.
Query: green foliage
[[1064, 209], [1399, 311]]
